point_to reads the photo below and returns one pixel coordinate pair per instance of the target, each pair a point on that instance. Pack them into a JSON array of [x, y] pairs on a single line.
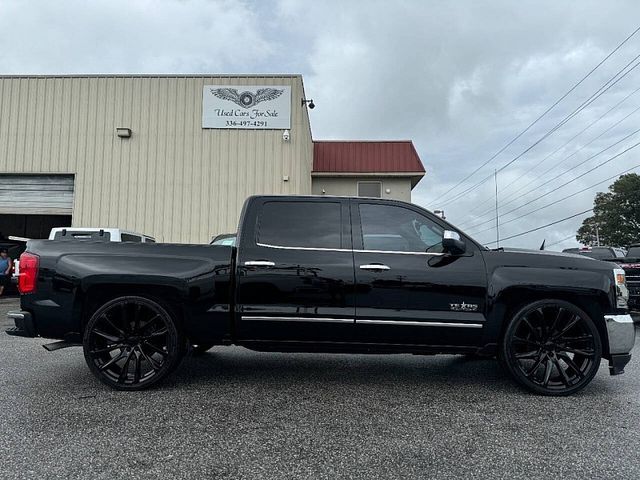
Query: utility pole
[[597, 235], [495, 177]]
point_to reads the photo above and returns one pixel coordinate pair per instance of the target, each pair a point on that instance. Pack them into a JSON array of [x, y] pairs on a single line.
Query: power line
[[509, 195], [560, 241], [561, 174], [560, 200], [543, 226], [544, 113], [571, 115], [572, 180]]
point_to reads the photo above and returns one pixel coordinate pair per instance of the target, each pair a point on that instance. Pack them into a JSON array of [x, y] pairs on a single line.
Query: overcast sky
[[461, 79]]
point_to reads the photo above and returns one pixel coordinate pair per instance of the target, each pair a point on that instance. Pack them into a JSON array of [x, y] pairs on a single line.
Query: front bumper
[[24, 325], [622, 336]]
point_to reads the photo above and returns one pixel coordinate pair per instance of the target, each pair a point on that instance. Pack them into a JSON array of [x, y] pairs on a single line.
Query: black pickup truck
[[328, 274]]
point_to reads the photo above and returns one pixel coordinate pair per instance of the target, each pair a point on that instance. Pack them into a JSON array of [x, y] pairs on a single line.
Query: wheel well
[[98, 295], [513, 299]]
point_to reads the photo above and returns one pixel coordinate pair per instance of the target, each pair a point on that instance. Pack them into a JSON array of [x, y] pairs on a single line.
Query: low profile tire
[[132, 343], [201, 348], [551, 347]]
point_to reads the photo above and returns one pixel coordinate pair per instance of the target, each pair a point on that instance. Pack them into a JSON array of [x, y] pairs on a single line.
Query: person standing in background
[[5, 270]]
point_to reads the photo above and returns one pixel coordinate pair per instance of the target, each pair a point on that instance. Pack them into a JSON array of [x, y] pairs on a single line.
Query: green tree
[[616, 214]]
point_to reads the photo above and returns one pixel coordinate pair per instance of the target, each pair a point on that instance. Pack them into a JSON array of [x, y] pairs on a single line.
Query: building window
[[370, 189]]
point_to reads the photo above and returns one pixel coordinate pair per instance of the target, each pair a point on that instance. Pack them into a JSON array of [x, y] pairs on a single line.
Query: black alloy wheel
[[131, 343], [551, 347]]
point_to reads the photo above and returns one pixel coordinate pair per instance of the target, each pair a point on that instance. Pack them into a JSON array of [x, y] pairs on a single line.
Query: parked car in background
[[634, 251], [599, 253], [228, 239], [631, 265], [328, 274], [99, 234]]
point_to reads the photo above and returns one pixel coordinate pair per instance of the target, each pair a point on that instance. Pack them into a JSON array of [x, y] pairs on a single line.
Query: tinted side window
[[398, 229], [301, 224], [125, 237]]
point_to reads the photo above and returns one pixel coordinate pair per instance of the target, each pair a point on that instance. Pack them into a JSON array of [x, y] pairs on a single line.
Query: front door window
[[398, 229]]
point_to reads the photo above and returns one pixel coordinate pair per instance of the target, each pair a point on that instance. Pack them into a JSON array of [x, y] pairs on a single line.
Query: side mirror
[[452, 243]]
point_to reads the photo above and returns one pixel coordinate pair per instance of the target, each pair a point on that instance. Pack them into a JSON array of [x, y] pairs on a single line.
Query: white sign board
[[246, 107]]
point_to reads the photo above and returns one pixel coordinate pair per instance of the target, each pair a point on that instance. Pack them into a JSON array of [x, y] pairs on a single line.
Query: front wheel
[[132, 343], [551, 347]]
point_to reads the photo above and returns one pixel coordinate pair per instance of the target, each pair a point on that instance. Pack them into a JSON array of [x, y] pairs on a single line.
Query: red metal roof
[[366, 157]]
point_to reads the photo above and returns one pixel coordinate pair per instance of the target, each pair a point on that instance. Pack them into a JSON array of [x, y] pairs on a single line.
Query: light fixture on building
[[440, 213], [123, 132], [286, 136], [309, 103]]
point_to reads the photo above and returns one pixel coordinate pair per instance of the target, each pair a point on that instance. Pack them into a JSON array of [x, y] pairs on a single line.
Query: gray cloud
[[458, 78]]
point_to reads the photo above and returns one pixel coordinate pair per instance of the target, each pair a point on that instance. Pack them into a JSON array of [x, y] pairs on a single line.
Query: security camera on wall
[[285, 136]]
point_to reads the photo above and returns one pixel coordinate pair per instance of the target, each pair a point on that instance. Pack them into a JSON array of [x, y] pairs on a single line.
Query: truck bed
[[197, 275]]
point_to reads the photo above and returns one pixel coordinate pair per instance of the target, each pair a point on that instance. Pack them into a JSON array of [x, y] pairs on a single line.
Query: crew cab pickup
[[328, 274]]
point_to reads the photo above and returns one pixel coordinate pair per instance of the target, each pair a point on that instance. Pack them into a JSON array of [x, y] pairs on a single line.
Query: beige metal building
[[169, 156]]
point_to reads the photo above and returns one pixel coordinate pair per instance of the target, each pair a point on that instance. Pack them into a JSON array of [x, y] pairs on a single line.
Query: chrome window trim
[[420, 324], [299, 319], [319, 249]]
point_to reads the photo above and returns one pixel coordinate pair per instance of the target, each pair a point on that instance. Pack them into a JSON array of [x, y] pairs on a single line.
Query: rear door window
[[301, 224]]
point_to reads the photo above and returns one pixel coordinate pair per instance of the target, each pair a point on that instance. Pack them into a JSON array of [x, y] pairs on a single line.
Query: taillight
[[28, 273]]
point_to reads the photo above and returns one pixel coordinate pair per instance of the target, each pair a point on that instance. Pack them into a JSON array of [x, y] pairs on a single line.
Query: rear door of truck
[[295, 275]]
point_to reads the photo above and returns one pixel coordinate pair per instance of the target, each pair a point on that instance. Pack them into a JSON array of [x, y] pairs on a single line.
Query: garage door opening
[[31, 205], [31, 226]]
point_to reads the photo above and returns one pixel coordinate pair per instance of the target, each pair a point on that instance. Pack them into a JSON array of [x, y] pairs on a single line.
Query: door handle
[[374, 266], [259, 263]]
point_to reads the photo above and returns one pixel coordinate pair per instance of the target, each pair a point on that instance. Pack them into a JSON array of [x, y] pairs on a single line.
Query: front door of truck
[[408, 291], [295, 271]]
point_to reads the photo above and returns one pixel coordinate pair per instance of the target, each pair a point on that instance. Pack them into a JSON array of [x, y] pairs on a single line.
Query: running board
[[61, 344]]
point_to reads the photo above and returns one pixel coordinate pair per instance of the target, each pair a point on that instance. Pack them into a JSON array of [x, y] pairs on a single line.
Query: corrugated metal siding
[[171, 179], [36, 194], [357, 157]]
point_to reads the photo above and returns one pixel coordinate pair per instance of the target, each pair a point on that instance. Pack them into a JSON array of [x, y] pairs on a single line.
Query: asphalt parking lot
[[234, 413]]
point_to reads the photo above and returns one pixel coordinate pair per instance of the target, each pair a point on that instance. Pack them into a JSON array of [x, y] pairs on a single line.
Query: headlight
[[622, 292]]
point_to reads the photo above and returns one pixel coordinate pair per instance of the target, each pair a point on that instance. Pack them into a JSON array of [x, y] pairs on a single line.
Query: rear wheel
[[551, 347], [132, 343]]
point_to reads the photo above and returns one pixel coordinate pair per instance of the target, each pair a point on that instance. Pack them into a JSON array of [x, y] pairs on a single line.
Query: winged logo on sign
[[246, 99]]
